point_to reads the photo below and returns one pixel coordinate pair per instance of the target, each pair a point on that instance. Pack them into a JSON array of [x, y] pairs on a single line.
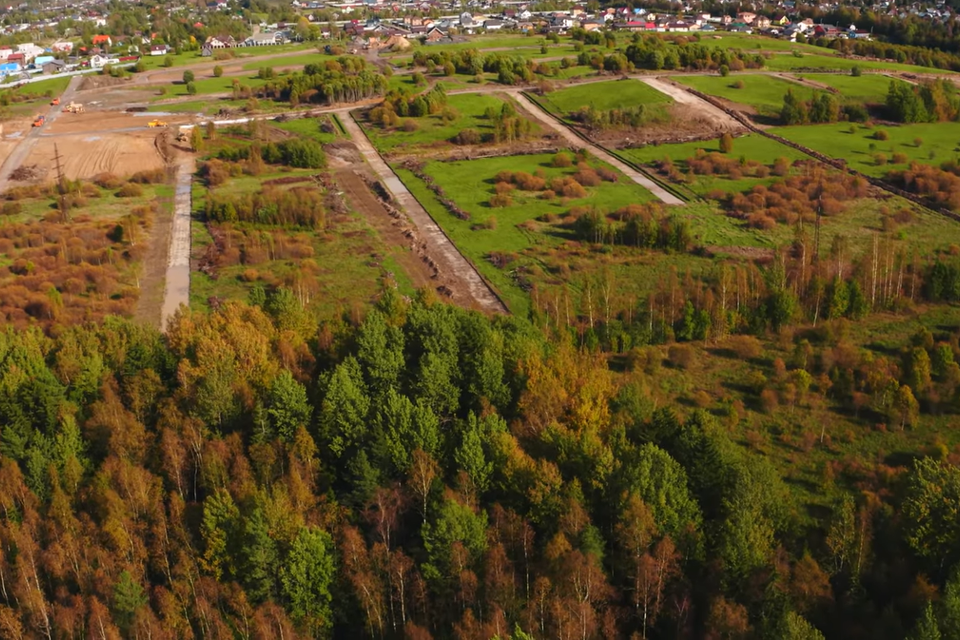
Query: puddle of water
[[152, 114]]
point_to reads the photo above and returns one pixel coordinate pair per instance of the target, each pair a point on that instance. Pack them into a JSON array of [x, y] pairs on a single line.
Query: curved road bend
[[23, 150], [451, 258]]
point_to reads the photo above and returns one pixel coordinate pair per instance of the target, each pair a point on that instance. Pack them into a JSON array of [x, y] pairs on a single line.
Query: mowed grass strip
[[858, 145], [763, 93], [603, 96]]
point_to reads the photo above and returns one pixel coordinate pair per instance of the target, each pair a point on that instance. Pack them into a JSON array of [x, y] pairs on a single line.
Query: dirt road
[[450, 261], [177, 287], [577, 142], [723, 121], [23, 150]]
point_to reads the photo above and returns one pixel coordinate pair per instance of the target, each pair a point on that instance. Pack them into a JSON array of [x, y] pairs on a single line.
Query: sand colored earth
[[84, 156]]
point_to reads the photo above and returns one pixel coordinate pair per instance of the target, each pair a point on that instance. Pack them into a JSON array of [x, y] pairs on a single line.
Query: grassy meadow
[[603, 96]]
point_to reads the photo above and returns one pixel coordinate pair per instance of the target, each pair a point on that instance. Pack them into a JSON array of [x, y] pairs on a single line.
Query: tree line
[[426, 472]]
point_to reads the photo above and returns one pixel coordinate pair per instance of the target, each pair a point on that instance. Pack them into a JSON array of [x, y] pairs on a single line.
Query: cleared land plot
[[749, 147], [471, 184], [312, 128], [757, 43], [603, 96], [763, 93], [435, 129], [938, 142], [869, 89], [339, 268]]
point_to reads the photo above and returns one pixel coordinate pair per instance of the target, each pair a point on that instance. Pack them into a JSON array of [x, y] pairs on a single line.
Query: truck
[[38, 122], [156, 123], [55, 102]]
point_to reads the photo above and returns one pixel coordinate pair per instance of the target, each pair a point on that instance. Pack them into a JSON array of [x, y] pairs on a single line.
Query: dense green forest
[[427, 472]]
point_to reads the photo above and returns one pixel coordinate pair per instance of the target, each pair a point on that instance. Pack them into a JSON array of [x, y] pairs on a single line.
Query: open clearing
[[763, 93], [869, 89], [602, 96], [938, 142]]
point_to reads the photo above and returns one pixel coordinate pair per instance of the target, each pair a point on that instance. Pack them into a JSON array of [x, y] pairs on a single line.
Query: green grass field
[[603, 96], [433, 129], [869, 89], [347, 270], [763, 93], [53, 86], [470, 185], [792, 63], [749, 147], [939, 142], [309, 128]]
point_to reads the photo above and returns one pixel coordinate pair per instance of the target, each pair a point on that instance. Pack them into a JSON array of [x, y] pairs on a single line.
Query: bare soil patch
[[394, 229], [84, 156], [153, 275]]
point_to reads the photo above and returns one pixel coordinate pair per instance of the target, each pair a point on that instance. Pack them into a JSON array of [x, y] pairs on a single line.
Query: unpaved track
[[577, 142], [450, 260], [722, 120], [177, 286], [29, 141]]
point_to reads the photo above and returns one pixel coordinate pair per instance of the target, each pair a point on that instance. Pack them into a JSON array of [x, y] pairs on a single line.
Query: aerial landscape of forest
[[471, 321]]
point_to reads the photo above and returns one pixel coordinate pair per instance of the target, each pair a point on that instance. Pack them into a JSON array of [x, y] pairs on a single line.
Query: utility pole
[[61, 185], [816, 233]]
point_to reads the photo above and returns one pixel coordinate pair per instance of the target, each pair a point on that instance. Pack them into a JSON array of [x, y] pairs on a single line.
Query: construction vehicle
[[74, 107], [55, 102], [182, 136], [156, 123], [39, 121]]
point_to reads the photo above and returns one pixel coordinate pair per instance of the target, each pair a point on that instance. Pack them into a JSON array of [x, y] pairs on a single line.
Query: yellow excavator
[[156, 123]]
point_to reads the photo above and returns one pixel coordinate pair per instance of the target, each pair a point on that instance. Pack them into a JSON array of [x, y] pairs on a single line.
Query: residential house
[[17, 58], [591, 25], [435, 35], [102, 41], [54, 66], [64, 46], [98, 61], [826, 31], [220, 42], [264, 39], [9, 68], [493, 24], [39, 61], [746, 17], [783, 20], [678, 26], [5, 52], [30, 50], [159, 50], [762, 22]]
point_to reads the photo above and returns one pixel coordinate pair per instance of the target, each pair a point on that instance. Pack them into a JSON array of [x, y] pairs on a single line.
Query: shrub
[[188, 76], [573, 189], [191, 89], [500, 201], [781, 166], [879, 159], [11, 208], [217, 71], [682, 356], [855, 71], [724, 70], [899, 158], [130, 190], [167, 61], [881, 135], [918, 142], [107, 181], [738, 84], [726, 143], [467, 136], [548, 195], [562, 160], [410, 125], [152, 176], [745, 347]]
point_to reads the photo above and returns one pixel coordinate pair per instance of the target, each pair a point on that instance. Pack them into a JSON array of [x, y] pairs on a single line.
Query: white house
[[264, 39], [29, 50], [63, 46], [159, 50], [98, 61], [5, 52]]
